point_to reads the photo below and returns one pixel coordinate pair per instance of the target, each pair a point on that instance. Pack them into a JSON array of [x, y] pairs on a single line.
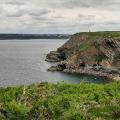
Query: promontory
[[91, 53]]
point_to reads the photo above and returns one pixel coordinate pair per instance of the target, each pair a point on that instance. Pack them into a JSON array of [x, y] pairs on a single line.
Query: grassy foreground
[[61, 102]]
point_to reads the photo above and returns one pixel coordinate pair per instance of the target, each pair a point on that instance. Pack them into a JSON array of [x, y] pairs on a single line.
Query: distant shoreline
[[6, 36]]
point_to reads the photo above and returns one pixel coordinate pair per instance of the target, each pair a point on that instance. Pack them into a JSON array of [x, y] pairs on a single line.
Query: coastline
[[85, 71], [106, 64]]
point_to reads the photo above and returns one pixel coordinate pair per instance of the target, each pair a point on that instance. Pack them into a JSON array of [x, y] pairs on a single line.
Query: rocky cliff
[[92, 53]]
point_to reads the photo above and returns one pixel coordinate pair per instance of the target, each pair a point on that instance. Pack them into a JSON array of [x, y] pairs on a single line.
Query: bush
[[61, 102]]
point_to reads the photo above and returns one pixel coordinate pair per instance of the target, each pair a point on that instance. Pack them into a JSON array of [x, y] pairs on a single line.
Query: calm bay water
[[23, 62]]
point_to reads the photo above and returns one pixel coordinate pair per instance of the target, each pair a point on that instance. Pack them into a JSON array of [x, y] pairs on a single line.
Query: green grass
[[101, 33], [61, 102], [84, 46], [93, 37], [99, 58]]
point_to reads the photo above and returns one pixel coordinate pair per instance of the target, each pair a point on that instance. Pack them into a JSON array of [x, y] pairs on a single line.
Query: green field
[[61, 102]]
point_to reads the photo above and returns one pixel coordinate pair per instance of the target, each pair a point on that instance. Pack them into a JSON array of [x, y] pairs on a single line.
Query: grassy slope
[[102, 33], [93, 37], [60, 102]]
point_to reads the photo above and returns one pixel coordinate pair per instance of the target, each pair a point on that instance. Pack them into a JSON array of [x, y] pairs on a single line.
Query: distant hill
[[33, 36]]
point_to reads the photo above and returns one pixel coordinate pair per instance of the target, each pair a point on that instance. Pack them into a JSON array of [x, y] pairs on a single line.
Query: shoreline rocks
[[97, 71], [55, 56]]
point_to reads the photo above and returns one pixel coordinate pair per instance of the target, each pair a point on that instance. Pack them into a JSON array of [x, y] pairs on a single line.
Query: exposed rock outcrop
[[92, 53], [55, 56]]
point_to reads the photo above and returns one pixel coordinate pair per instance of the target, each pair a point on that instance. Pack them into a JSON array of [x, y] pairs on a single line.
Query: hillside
[[92, 53], [61, 102]]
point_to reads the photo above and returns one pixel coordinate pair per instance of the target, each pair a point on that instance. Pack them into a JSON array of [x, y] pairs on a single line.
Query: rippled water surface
[[23, 62]]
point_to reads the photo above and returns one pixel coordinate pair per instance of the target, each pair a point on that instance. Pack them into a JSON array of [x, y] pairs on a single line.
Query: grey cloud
[[15, 12], [15, 15], [59, 15], [38, 12], [15, 3], [103, 4], [19, 11]]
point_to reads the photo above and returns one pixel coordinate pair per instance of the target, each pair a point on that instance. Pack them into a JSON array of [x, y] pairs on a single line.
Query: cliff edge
[[92, 53]]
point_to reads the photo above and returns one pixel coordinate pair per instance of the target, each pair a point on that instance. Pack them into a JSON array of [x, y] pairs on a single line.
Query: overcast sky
[[58, 16]]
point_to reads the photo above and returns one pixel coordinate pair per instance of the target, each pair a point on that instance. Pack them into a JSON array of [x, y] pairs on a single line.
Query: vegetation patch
[[98, 58], [100, 34], [85, 46], [61, 102]]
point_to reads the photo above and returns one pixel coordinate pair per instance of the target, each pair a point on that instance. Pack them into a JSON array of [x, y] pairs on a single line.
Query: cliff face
[[96, 53]]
